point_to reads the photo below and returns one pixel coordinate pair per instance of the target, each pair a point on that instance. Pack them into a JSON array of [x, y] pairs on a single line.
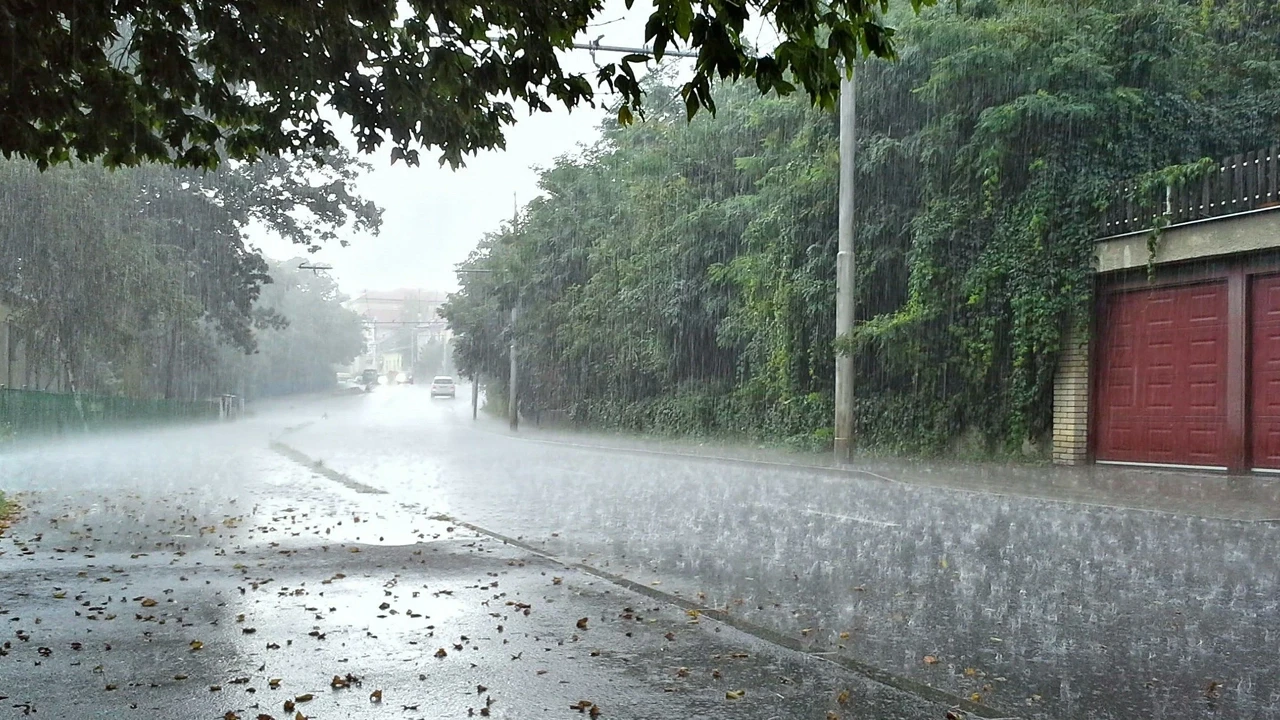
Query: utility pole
[[513, 410], [475, 395], [844, 398]]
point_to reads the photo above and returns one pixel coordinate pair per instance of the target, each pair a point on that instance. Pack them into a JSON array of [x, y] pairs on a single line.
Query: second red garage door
[[1162, 376], [1264, 415]]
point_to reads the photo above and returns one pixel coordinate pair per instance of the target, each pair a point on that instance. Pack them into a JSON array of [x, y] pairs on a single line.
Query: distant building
[[398, 325]]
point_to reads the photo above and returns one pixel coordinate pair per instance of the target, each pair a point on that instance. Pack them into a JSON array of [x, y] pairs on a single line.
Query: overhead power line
[[595, 46]]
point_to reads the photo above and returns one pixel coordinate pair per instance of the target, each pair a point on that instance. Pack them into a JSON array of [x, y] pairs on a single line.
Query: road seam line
[[320, 468], [871, 672]]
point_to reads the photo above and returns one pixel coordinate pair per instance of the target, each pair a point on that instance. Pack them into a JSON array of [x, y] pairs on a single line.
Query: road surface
[[810, 593]]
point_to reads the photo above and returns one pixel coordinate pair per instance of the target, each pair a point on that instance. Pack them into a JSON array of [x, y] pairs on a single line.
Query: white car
[[443, 386]]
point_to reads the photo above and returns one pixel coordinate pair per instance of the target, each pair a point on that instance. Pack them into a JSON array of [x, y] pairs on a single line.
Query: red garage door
[[1162, 375], [1264, 412]]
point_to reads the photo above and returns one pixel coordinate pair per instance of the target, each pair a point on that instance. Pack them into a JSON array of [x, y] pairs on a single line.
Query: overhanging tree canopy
[[190, 81]]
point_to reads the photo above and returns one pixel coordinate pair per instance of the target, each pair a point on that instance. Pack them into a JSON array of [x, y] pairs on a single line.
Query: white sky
[[434, 216]]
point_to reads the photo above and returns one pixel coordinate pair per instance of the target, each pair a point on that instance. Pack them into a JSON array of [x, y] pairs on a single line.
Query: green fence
[[33, 412]]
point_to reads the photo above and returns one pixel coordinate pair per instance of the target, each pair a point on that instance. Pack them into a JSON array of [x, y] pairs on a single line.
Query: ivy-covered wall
[[679, 276]]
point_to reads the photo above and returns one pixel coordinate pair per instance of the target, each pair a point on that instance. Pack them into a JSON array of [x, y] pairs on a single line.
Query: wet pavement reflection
[[1039, 607]]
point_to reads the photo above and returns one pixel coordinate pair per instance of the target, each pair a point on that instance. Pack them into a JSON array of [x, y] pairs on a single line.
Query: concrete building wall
[[1215, 237], [1071, 402]]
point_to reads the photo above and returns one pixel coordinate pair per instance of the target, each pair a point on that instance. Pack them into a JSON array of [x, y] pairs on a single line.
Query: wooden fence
[[1249, 181]]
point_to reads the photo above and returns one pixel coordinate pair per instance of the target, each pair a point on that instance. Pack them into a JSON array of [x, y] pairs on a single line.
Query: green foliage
[[1022, 121], [191, 83], [680, 276], [130, 282], [299, 354]]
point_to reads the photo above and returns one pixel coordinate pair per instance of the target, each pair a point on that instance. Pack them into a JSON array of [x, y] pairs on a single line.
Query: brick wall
[[1071, 402]]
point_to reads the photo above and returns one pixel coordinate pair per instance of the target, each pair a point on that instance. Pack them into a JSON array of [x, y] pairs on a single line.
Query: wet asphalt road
[[1044, 609], [1033, 608], [199, 574]]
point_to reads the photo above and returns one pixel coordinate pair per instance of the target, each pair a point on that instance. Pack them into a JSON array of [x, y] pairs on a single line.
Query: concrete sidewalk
[[1247, 498]]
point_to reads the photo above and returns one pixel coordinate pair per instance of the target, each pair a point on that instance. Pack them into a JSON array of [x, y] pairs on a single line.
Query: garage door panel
[[1203, 398], [1160, 441], [1162, 382], [1264, 361], [1206, 442]]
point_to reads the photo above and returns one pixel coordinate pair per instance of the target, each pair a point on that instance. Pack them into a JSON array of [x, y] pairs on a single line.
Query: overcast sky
[[434, 216]]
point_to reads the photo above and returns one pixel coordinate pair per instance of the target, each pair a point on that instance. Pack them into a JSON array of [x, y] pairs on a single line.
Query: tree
[[299, 354], [190, 83], [129, 282], [679, 276]]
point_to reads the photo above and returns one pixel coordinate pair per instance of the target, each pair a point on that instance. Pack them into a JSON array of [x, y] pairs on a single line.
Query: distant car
[[369, 377], [443, 386]]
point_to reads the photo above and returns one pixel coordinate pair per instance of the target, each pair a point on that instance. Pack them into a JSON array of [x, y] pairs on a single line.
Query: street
[[389, 557]]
